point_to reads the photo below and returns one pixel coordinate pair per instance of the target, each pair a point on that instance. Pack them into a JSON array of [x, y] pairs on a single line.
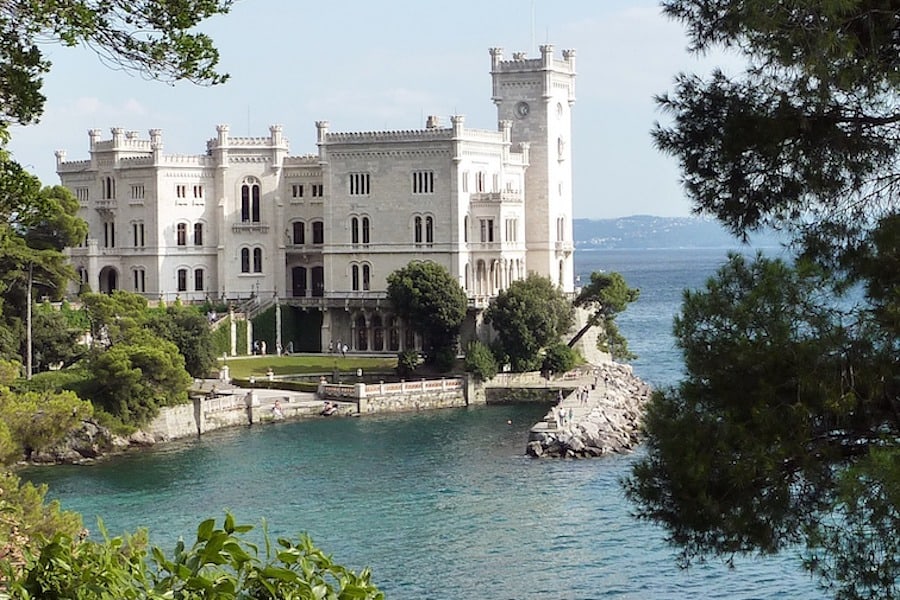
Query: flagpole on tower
[[533, 49]]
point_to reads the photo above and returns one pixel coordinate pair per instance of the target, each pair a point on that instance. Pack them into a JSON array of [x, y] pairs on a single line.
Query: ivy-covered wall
[[300, 329], [222, 338]]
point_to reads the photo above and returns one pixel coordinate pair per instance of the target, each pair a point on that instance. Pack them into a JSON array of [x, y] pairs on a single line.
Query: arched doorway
[[109, 280]]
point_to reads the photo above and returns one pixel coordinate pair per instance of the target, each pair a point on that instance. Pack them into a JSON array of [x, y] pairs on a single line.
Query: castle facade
[[320, 233]]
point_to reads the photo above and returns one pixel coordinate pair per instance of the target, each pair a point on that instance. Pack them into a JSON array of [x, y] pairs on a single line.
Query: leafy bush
[[559, 359], [407, 361], [445, 359], [220, 565], [26, 520], [480, 361]]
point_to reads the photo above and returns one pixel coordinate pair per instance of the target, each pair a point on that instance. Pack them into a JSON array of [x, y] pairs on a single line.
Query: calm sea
[[442, 504]]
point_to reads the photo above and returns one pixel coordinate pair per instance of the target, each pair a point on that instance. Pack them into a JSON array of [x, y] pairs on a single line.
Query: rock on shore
[[607, 420], [87, 443]]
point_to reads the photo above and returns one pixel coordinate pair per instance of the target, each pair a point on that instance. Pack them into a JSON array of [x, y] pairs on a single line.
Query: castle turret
[[536, 96]]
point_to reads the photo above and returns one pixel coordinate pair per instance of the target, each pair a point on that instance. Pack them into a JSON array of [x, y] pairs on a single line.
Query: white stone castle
[[320, 233]]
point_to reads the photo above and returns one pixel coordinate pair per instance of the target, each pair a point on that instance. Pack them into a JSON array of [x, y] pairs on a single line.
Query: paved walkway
[[575, 406]]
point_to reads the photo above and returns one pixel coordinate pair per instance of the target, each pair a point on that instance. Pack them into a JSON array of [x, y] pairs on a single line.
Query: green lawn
[[242, 368]]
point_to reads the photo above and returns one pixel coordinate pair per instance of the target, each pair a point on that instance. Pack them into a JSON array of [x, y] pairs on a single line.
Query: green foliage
[[220, 565], [116, 317], [559, 358], [189, 331], [431, 301], [529, 316], [158, 40], [242, 334], [220, 339], [407, 361], [788, 406], [480, 361], [783, 397], [606, 296], [445, 359], [54, 341], [37, 420], [26, 519], [132, 381]]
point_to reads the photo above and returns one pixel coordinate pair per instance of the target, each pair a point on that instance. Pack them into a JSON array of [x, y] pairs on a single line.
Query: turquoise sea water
[[441, 504]]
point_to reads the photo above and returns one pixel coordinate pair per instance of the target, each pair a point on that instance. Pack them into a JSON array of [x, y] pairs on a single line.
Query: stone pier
[[602, 415]]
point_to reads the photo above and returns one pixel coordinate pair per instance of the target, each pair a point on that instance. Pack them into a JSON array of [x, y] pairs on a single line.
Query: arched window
[[354, 230], [245, 260], [429, 230], [354, 278], [417, 230], [250, 195], [318, 232], [182, 280], [198, 280], [299, 233], [365, 230], [198, 234], [257, 260], [366, 276]]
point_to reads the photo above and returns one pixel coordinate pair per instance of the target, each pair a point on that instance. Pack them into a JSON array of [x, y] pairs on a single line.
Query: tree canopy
[[154, 39], [605, 297], [431, 301], [784, 432], [529, 316]]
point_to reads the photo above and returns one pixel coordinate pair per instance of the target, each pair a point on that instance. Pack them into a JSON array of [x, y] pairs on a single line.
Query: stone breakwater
[[602, 415]]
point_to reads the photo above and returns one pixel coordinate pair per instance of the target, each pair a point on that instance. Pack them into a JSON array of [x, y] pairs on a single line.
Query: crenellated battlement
[[520, 63], [303, 160], [72, 166], [407, 135]]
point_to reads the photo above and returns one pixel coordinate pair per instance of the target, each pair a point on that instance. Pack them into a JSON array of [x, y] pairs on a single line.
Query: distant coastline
[[644, 232]]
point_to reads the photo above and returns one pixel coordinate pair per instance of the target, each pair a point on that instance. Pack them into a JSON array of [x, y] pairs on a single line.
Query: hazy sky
[[387, 64]]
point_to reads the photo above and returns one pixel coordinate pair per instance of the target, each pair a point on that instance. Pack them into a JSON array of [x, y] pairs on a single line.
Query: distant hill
[[644, 231]]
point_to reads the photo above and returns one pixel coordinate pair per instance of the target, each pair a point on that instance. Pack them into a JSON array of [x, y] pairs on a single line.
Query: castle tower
[[536, 95]]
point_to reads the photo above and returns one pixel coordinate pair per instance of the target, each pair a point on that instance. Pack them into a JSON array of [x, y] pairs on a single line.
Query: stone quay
[[601, 415]]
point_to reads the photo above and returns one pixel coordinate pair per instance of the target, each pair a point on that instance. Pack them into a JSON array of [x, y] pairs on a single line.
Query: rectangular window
[[140, 280], [198, 234], [137, 191], [198, 280], [109, 235], [83, 194], [137, 230], [487, 230], [512, 230], [496, 183], [423, 182], [182, 280], [479, 181], [318, 190], [181, 234], [465, 182], [198, 191], [297, 190], [181, 191], [359, 184]]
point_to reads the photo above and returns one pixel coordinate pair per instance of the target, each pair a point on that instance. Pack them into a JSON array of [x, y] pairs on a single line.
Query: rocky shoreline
[[601, 416], [87, 444]]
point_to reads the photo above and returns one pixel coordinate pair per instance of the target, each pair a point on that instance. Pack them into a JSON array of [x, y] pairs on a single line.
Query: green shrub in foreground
[[220, 565]]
